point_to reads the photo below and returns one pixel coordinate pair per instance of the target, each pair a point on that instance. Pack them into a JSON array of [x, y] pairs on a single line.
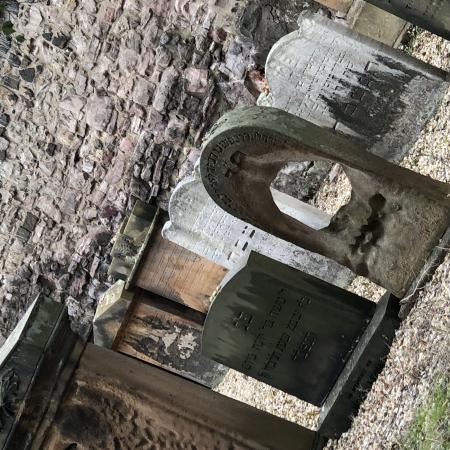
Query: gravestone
[[432, 15], [385, 232], [334, 77], [204, 228], [301, 335]]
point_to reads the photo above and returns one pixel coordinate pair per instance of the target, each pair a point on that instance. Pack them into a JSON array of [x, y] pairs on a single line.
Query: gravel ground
[[421, 348]]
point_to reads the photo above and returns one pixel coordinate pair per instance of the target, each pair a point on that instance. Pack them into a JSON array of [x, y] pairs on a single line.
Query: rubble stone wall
[[101, 103]]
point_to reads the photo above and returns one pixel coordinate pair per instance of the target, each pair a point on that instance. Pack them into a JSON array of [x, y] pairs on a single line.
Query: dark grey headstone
[[285, 328], [301, 335], [432, 15]]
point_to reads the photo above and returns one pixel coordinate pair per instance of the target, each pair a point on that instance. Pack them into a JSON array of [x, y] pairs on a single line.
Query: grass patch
[[410, 39], [431, 427]]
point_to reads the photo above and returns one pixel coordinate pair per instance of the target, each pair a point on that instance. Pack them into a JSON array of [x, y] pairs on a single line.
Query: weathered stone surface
[[390, 206], [376, 23], [34, 365], [141, 410], [110, 313], [301, 335], [99, 111], [433, 15], [338, 5], [168, 335], [284, 327], [335, 78], [201, 226]]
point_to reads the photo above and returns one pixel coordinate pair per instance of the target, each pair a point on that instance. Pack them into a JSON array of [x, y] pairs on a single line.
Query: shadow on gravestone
[[301, 335], [387, 230], [432, 15], [202, 227], [339, 79]]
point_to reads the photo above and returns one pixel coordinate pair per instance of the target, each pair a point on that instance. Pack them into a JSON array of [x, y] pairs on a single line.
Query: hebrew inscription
[[336, 78], [201, 226], [392, 222], [285, 328]]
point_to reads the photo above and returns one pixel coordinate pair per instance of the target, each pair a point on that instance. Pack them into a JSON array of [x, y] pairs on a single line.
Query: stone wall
[[104, 102]]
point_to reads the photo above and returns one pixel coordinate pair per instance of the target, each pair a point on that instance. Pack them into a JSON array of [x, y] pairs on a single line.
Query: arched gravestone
[[198, 224], [392, 222], [301, 335], [339, 79], [432, 15]]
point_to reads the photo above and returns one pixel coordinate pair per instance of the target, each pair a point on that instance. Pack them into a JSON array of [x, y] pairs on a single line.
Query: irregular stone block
[[143, 92], [99, 112], [196, 80], [28, 74], [390, 207], [338, 79], [163, 91], [198, 224]]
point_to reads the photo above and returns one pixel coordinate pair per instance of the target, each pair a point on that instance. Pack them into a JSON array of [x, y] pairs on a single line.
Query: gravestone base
[[361, 370]]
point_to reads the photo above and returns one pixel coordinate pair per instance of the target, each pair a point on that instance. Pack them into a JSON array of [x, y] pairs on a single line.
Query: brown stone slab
[[178, 274], [117, 402], [167, 334]]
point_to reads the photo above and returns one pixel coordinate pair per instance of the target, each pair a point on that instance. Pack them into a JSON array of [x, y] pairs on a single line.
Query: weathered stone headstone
[[385, 232], [432, 15], [202, 227], [142, 258], [338, 79], [301, 335]]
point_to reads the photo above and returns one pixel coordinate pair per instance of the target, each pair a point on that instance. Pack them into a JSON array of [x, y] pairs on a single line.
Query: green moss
[[410, 39], [431, 427]]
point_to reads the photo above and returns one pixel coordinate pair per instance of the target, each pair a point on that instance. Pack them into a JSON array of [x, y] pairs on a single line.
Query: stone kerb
[[203, 227], [131, 241]]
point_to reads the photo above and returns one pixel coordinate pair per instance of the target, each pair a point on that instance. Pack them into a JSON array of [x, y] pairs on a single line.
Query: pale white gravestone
[[332, 76], [201, 226]]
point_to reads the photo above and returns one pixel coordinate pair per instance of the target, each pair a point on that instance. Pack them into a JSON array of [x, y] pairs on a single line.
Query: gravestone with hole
[[432, 15], [302, 335], [202, 227], [385, 232], [336, 78]]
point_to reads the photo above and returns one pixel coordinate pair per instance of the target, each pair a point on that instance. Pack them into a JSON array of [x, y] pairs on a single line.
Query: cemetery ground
[[408, 407]]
